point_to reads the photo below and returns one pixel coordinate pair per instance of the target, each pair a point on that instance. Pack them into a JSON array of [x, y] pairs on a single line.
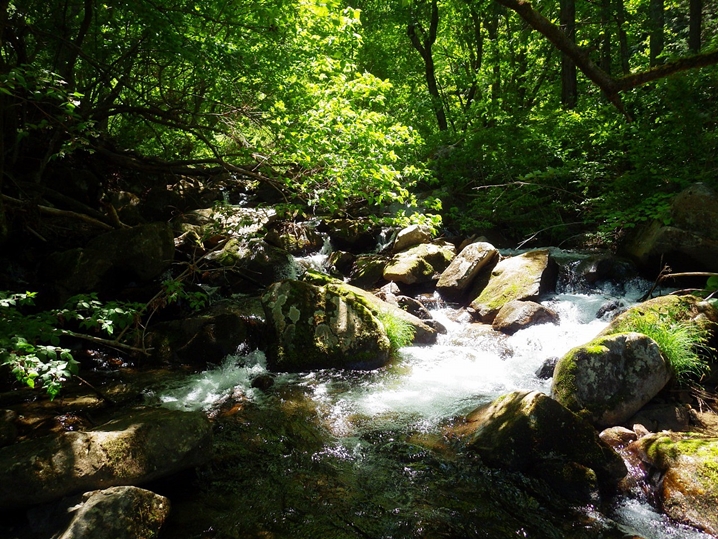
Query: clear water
[[361, 454]]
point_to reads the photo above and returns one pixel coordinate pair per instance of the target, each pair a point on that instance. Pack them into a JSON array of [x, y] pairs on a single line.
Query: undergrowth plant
[[683, 343], [399, 331]]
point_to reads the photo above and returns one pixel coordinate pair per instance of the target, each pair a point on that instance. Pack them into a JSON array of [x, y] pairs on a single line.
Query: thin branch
[[62, 213]]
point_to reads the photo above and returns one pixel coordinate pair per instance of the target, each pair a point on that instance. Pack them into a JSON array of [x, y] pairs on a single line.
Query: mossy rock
[[524, 277], [423, 333], [314, 327], [420, 264], [140, 447], [524, 431], [610, 378], [689, 485]]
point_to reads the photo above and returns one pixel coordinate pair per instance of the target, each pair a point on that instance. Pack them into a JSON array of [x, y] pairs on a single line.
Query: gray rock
[[132, 450], [463, 270], [688, 243], [524, 431], [516, 315], [524, 277], [420, 264], [611, 378], [411, 236], [315, 327], [119, 512]]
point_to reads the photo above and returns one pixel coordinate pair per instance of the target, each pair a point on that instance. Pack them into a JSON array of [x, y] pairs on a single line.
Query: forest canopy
[[556, 117]]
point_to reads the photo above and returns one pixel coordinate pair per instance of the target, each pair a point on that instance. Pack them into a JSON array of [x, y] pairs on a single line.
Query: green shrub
[[399, 331], [683, 343]]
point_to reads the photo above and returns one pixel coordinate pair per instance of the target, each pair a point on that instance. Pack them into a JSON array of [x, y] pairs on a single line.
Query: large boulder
[[423, 333], [295, 238], [124, 512], [516, 315], [688, 484], [609, 379], [420, 264], [209, 336], [524, 277], [251, 264], [352, 235], [113, 260], [411, 236], [458, 277], [367, 270], [532, 433], [146, 445], [688, 243], [314, 327]]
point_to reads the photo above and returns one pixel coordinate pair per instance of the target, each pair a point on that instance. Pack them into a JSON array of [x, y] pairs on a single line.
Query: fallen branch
[[62, 213]]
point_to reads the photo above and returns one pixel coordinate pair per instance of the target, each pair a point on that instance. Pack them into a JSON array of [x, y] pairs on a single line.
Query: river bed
[[357, 454]]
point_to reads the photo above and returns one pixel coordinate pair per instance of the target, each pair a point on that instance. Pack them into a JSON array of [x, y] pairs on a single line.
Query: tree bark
[[694, 27], [656, 9], [606, 36], [423, 46], [622, 36], [569, 83]]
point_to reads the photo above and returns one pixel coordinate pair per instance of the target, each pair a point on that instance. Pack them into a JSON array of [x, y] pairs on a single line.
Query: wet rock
[[603, 268], [341, 262], [411, 236], [113, 260], [124, 512], [352, 235], [315, 327], [423, 333], [516, 315], [459, 276], [611, 378], [145, 445], [208, 337], [420, 264], [530, 432], [414, 307], [689, 243], [545, 371], [295, 238], [688, 486], [618, 437], [249, 265], [658, 416], [368, 270], [524, 277]]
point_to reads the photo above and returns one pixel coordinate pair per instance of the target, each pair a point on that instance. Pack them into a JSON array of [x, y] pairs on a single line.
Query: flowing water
[[337, 454]]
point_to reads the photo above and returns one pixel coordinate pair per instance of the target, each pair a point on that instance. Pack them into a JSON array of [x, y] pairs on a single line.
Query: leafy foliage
[[30, 341], [683, 343]]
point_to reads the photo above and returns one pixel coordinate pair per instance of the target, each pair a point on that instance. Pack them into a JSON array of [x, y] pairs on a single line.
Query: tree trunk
[[423, 46], [656, 10], [569, 86], [694, 28], [622, 37], [606, 36], [492, 27]]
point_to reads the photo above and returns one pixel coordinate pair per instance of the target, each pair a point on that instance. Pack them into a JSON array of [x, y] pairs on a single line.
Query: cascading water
[[361, 454]]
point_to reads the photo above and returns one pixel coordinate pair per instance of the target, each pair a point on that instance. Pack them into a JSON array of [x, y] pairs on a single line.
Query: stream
[[347, 454]]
